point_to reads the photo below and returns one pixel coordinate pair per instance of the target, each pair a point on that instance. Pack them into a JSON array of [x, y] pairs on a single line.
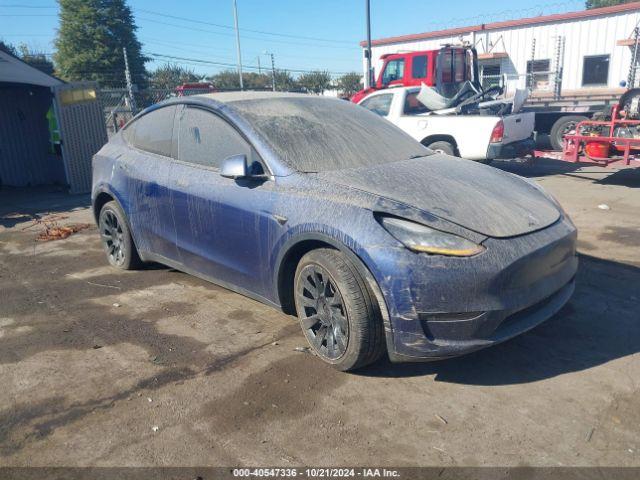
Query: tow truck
[[445, 70]]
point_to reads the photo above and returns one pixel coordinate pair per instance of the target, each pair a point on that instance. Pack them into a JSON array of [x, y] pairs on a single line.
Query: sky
[[302, 35]]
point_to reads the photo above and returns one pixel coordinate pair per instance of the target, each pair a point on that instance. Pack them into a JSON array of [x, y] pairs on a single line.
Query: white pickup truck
[[482, 137]]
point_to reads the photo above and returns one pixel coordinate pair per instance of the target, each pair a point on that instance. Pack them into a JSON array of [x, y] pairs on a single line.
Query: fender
[[360, 265], [104, 188]]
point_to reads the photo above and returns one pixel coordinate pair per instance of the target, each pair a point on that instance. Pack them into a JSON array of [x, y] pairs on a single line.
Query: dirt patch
[[621, 235], [282, 391]]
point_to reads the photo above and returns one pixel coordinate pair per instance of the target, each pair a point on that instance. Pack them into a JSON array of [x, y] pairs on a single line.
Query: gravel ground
[[100, 367]]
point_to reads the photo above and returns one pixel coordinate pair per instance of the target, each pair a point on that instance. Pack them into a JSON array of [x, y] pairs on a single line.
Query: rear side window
[[206, 139], [412, 106], [419, 67], [380, 104], [153, 132]]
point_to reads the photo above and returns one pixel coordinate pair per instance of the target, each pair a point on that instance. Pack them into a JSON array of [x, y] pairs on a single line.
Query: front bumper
[[442, 307], [517, 149]]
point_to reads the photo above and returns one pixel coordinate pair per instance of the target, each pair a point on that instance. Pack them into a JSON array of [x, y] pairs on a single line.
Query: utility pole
[[127, 76], [273, 72], [235, 17], [368, 81], [259, 70]]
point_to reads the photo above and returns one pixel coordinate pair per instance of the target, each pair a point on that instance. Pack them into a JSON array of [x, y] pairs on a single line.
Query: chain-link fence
[[119, 106]]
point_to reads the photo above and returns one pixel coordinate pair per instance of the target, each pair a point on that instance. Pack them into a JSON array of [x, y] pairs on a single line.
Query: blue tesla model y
[[320, 207]]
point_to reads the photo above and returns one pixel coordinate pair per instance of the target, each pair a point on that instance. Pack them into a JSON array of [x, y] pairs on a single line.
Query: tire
[[116, 238], [443, 147], [563, 126], [340, 319]]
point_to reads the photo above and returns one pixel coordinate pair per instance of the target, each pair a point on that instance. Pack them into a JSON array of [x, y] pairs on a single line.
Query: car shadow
[[544, 167], [600, 324]]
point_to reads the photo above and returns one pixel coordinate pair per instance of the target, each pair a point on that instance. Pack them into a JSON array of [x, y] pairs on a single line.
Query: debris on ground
[[55, 232], [52, 230], [302, 349], [442, 419], [590, 434], [604, 206], [154, 428], [116, 305]]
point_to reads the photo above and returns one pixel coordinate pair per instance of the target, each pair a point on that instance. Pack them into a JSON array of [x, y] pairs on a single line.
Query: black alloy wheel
[[323, 314]]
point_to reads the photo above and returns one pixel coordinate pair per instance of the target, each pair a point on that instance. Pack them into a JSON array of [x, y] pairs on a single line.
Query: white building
[[577, 53]]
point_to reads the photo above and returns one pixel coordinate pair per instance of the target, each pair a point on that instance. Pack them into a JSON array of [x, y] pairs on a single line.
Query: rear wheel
[[564, 126], [443, 147], [337, 311], [116, 237]]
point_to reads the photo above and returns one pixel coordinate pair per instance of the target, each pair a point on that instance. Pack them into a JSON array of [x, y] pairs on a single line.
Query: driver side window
[[206, 139], [393, 71]]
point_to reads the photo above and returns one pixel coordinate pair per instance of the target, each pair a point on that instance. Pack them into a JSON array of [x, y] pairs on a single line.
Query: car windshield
[[320, 134]]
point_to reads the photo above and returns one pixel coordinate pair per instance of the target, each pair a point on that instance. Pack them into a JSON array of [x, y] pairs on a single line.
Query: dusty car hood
[[478, 197]]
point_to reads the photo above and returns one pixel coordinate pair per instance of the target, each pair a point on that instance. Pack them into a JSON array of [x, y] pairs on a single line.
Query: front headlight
[[422, 239]]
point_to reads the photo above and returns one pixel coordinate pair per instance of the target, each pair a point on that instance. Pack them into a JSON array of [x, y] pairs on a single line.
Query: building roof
[[558, 17], [14, 70]]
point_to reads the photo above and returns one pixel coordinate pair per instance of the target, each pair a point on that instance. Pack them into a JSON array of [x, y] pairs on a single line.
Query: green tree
[[285, 81], [36, 59], [315, 82], [349, 83], [589, 4], [256, 81], [170, 76], [8, 48], [90, 40], [229, 80], [225, 80]]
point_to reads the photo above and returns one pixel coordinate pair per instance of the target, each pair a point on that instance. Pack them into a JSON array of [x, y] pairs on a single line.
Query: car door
[[145, 193], [222, 224]]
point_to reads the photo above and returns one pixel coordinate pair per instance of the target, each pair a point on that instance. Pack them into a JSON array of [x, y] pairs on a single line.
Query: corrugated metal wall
[[25, 158], [83, 131], [586, 36]]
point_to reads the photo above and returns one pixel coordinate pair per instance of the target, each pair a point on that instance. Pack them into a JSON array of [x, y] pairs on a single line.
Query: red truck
[[446, 69]]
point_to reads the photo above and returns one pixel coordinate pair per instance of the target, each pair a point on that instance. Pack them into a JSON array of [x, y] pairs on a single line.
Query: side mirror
[[235, 166]]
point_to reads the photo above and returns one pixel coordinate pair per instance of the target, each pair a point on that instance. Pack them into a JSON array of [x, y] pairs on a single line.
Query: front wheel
[[337, 312]]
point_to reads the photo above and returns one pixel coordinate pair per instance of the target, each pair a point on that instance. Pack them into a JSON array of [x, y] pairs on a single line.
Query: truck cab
[[445, 69]]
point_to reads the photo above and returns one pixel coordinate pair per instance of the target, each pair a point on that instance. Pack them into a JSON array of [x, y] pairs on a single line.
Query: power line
[[263, 32], [200, 48], [230, 65], [4, 5], [210, 32]]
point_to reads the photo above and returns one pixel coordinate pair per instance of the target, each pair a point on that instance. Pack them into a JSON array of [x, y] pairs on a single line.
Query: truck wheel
[[336, 310], [564, 126], [443, 147]]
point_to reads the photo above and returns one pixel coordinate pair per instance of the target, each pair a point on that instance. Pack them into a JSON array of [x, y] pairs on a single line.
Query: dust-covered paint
[[246, 234]]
